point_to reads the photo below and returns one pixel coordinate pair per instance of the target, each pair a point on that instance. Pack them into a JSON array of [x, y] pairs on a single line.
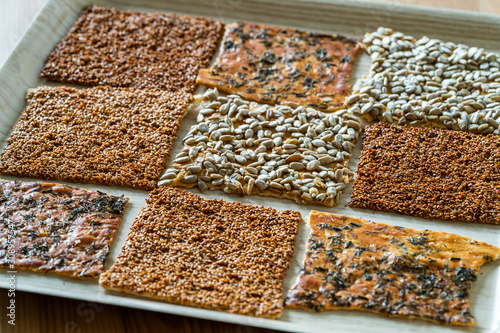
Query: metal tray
[[351, 18]]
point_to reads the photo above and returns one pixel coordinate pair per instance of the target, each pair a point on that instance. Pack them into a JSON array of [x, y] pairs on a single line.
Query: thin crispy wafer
[[102, 135], [56, 228], [107, 46], [430, 173], [273, 65], [355, 264], [249, 148], [207, 253]]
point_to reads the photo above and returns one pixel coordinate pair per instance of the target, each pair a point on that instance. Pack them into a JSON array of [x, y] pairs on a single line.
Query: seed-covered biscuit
[[428, 83], [273, 65], [112, 136], [211, 254], [431, 173], [355, 264], [56, 228], [282, 151], [107, 46]]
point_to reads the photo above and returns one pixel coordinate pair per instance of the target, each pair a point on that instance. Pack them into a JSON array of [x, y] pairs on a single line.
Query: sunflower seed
[[193, 168], [261, 184], [202, 185], [190, 179], [165, 182], [297, 166], [181, 159], [313, 165]]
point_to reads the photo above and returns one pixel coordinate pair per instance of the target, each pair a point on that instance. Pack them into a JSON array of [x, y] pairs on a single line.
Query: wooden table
[[39, 313]]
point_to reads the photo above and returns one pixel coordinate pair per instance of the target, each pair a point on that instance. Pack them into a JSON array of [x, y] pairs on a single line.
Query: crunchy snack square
[[428, 83], [248, 148], [354, 264], [107, 46], [207, 253], [430, 173], [56, 228], [273, 65], [103, 135]]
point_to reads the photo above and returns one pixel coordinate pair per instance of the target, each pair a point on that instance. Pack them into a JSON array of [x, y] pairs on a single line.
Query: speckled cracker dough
[[207, 253], [48, 227], [107, 46], [354, 264], [273, 65], [112, 136], [430, 173]]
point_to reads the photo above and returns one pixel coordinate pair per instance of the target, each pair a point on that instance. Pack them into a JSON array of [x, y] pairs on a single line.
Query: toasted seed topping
[[310, 144], [428, 82]]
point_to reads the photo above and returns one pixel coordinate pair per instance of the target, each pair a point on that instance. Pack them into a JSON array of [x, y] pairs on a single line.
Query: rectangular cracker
[[211, 254], [110, 136], [354, 264], [56, 228], [107, 46], [428, 83], [269, 64], [430, 173], [235, 147]]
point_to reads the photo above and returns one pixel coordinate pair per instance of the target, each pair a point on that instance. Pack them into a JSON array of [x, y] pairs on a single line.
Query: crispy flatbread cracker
[[248, 148], [48, 227], [105, 135], [356, 264], [430, 173], [269, 64]]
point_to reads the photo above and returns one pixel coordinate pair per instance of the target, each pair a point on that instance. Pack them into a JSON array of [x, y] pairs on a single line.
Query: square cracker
[[430, 173], [110, 136], [426, 82], [354, 264], [269, 64], [248, 148], [107, 46], [57, 228], [207, 253]]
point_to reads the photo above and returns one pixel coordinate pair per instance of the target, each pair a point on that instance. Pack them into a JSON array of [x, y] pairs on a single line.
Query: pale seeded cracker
[[282, 151], [429, 83]]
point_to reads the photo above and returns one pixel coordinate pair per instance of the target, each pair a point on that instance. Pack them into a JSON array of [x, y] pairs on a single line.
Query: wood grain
[[39, 313]]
